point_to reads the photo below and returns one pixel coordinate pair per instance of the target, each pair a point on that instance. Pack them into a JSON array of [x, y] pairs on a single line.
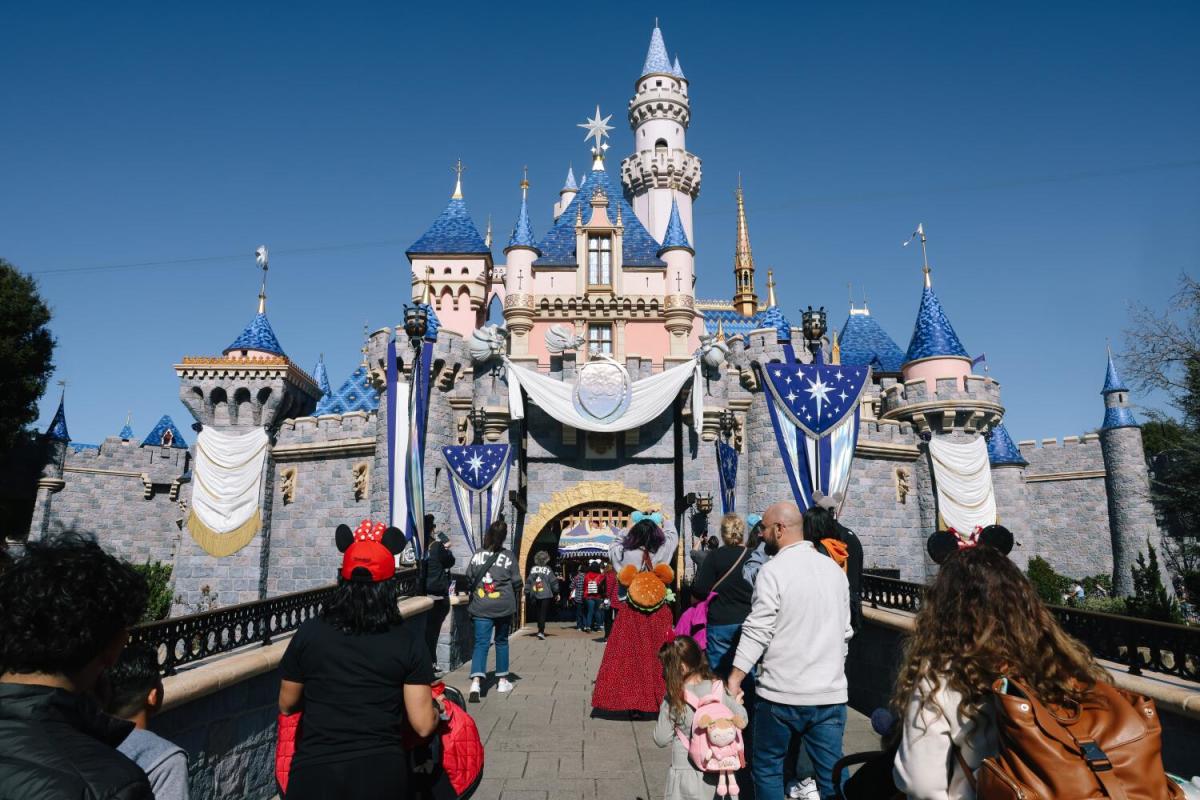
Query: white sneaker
[[794, 791], [473, 695], [504, 686], [809, 790], [542, 636]]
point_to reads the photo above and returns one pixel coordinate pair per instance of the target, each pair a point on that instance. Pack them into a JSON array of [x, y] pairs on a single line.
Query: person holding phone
[[436, 568]]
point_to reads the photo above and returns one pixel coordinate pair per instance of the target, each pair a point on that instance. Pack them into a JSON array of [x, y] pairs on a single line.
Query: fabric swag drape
[[963, 478], [226, 485]]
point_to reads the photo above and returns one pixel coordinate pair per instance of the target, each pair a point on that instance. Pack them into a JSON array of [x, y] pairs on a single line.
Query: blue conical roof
[[570, 185], [522, 234], [452, 233], [1002, 450], [638, 247], [677, 70], [355, 394], [321, 376], [657, 59], [155, 438], [126, 432], [58, 426], [1112, 380], [933, 336], [864, 343], [773, 317], [257, 336], [675, 235]]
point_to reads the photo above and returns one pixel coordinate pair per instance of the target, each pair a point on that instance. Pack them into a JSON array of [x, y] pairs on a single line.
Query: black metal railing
[[1137, 644], [194, 637]]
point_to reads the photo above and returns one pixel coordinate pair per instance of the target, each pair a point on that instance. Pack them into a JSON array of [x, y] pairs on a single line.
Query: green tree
[[158, 579], [1150, 599], [26, 349], [1049, 584]]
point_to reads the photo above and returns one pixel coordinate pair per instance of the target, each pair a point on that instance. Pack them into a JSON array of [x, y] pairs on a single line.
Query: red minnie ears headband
[[942, 543], [369, 553]]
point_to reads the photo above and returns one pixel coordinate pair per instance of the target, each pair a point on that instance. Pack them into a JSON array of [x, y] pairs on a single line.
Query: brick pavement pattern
[[542, 742]]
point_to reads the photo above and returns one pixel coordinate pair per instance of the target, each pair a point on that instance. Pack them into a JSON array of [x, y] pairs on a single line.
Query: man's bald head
[[783, 524]]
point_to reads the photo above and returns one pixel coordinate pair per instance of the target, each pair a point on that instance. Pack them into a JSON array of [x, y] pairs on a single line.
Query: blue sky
[[1051, 151]]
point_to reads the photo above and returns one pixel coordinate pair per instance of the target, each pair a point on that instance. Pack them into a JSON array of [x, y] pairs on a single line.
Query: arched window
[[660, 146]]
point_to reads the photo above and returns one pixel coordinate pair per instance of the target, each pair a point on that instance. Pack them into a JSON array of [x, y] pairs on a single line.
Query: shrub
[[1107, 605], [1049, 584], [158, 579], [1097, 585], [1150, 599]]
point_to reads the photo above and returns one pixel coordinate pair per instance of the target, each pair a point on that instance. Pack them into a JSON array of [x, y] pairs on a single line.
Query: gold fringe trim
[[220, 545]]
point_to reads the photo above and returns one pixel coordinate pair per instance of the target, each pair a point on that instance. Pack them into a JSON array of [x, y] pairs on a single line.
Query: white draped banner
[[226, 485], [963, 477], [651, 396]]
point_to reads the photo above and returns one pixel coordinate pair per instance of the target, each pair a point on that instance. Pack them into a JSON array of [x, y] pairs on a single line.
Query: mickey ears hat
[[654, 516], [369, 552], [942, 543], [830, 502]]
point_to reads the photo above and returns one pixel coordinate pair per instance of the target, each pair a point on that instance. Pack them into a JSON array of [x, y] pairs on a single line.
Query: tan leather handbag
[[1109, 746]]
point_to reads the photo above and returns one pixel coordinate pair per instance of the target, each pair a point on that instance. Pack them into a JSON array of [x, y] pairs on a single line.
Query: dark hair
[[711, 543], [63, 602], [130, 680], [755, 535], [430, 526], [644, 535], [541, 558], [497, 532], [359, 607], [819, 523]]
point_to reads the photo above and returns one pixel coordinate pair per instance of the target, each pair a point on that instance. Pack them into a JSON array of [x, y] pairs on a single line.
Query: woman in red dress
[[630, 677]]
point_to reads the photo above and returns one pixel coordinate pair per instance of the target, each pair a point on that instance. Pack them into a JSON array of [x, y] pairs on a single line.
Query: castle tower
[[1008, 482], [54, 443], [661, 170], [1131, 519], [518, 276], [566, 194], [934, 352], [680, 304], [457, 262], [745, 301]]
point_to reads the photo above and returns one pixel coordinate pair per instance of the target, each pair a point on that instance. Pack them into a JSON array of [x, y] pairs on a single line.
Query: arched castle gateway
[[612, 385]]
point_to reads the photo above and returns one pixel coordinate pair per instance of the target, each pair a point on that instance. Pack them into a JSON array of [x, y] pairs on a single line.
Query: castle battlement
[[1026, 445], [327, 428], [972, 406]]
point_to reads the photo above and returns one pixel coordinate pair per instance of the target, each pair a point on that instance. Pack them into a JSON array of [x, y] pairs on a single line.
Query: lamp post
[[814, 327], [478, 421], [704, 504], [416, 324], [727, 421]]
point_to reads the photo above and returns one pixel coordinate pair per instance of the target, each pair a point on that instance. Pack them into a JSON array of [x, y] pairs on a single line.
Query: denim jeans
[[591, 615], [483, 639], [821, 729], [722, 647]]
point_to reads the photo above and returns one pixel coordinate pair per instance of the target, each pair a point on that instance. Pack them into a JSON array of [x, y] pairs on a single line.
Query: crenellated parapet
[[973, 407], [662, 168], [259, 391]]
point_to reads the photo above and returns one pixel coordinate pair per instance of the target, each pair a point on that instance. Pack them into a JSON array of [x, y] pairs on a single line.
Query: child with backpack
[[701, 723]]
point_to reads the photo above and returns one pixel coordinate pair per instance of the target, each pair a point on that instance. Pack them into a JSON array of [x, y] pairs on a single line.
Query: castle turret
[[680, 303], [661, 167], [1008, 482], [566, 194], [518, 276], [1131, 518], [745, 301], [934, 352], [54, 443], [457, 262]]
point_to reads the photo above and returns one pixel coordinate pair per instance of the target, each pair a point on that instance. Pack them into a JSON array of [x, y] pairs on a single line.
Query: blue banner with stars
[[727, 468], [479, 474], [815, 414]]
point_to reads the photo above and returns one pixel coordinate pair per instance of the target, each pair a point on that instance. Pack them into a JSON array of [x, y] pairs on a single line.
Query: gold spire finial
[[720, 330], [919, 233], [427, 289], [744, 298], [835, 350], [459, 169], [524, 181], [771, 289], [366, 341]]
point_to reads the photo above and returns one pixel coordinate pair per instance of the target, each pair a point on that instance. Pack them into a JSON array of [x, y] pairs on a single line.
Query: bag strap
[[729, 571], [491, 562], [967, 771]]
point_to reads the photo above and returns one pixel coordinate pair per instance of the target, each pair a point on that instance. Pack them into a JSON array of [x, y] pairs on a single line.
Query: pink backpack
[[694, 622], [715, 743]]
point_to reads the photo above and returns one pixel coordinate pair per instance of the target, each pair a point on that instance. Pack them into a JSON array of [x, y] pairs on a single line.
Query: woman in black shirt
[[729, 608], [357, 672]]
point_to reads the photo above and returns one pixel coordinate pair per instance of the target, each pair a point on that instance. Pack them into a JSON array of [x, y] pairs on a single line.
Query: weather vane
[[459, 169], [919, 233], [261, 258]]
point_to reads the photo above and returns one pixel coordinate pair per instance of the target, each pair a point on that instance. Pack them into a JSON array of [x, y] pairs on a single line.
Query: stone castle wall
[[126, 496]]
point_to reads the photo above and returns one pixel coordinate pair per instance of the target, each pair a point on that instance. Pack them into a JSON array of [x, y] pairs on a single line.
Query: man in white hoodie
[[799, 626]]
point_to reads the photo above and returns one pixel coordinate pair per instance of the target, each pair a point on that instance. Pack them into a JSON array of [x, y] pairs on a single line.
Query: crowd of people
[[752, 696]]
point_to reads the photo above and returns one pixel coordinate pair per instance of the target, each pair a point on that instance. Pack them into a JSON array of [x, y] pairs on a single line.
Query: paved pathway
[[542, 742]]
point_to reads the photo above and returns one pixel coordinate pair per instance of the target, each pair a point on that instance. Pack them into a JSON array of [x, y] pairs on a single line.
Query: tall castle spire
[[745, 301]]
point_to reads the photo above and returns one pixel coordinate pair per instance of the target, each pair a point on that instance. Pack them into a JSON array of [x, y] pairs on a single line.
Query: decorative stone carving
[[903, 485], [362, 480], [518, 300], [679, 301], [487, 343], [461, 429], [287, 485], [560, 338]]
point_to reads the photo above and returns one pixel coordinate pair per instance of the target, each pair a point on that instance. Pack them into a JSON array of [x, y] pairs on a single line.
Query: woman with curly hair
[[981, 620], [630, 677]]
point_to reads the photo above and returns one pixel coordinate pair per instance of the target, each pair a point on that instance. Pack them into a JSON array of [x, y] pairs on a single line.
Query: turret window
[[600, 261], [600, 339]]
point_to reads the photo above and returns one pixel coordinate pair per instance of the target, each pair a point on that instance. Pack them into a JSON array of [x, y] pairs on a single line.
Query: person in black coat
[[437, 563], [66, 607]]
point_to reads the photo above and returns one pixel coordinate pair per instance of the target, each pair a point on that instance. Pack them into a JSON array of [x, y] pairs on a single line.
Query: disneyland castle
[[611, 387]]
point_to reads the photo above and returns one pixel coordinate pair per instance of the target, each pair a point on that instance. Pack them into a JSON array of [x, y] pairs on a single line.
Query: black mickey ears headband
[[942, 543]]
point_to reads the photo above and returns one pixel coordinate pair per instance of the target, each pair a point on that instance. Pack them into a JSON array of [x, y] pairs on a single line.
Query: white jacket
[[926, 767], [799, 625]]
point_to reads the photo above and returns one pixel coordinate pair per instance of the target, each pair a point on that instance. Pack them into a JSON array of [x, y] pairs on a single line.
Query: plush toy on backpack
[[716, 742]]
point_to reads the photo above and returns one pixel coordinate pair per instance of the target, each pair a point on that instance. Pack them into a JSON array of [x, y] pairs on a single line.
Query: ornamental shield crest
[[603, 389]]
